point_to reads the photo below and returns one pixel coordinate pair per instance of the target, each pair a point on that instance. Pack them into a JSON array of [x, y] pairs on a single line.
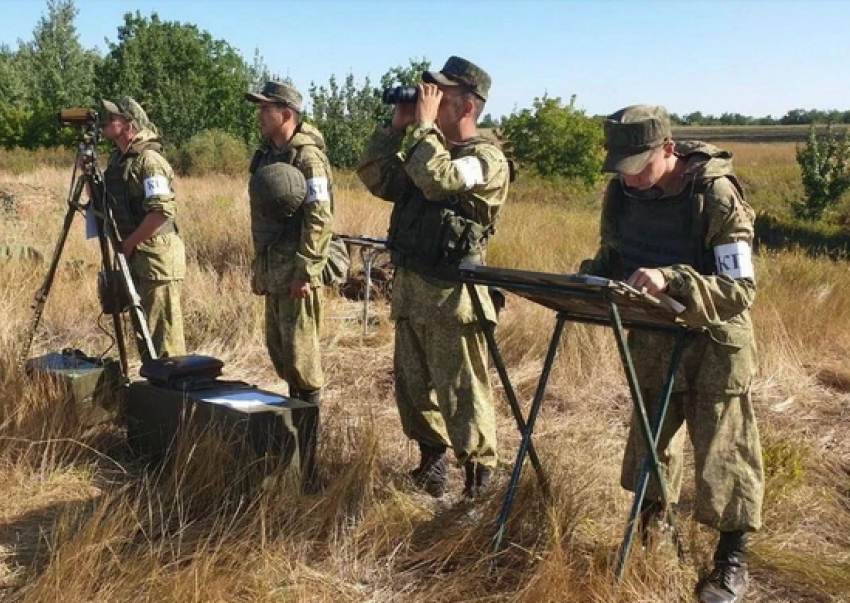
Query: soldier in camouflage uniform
[[447, 185], [292, 250], [675, 221], [138, 179]]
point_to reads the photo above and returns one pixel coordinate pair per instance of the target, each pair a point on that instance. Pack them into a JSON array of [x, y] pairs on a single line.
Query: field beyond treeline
[[82, 520]]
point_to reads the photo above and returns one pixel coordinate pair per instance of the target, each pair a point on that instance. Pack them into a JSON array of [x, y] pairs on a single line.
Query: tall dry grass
[[81, 520]]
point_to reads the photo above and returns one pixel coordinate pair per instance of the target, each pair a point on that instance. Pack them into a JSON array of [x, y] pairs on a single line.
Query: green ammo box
[[94, 391], [231, 421]]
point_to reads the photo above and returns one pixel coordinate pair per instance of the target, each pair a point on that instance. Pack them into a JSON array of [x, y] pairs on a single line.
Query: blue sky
[[755, 57]]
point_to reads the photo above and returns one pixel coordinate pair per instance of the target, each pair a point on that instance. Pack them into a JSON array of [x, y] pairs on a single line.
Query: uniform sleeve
[[381, 168], [607, 259], [714, 300], [317, 226], [153, 174], [432, 169]]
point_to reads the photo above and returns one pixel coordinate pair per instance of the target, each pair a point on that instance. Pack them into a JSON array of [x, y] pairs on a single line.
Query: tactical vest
[[662, 232], [127, 208], [434, 237]]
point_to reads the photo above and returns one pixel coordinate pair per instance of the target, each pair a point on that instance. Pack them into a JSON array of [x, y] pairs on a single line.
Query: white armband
[[734, 259], [471, 170], [317, 190], [156, 185]]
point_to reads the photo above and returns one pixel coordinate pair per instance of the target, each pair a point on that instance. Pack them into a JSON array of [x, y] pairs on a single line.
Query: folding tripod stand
[[115, 285]]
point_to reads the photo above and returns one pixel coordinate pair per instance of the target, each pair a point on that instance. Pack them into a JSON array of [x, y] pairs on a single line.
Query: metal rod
[[526, 436], [367, 255], [44, 291], [643, 478], [513, 401]]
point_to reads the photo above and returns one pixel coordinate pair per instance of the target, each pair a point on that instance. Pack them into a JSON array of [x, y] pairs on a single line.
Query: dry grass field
[[82, 520]]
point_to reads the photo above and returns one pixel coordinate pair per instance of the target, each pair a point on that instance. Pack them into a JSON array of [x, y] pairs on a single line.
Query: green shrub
[[555, 140], [825, 169], [212, 152]]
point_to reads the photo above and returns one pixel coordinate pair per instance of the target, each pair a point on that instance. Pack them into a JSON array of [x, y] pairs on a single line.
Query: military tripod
[[116, 290]]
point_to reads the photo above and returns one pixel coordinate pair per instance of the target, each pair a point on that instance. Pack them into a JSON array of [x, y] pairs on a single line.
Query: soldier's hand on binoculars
[[403, 115], [428, 103]]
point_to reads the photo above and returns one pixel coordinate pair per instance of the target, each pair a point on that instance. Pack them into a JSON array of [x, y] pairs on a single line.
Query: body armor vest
[[434, 237], [663, 232], [128, 209], [266, 228]]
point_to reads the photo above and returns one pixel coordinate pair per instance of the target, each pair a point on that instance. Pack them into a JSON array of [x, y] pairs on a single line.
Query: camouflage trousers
[[727, 457], [161, 303], [442, 388], [292, 338]]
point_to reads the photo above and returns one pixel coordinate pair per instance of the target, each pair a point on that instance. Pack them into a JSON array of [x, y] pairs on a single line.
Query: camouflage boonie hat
[[279, 93], [460, 72], [129, 109], [632, 135]]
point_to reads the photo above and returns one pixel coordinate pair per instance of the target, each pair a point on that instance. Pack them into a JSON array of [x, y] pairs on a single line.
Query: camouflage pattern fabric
[[443, 393], [292, 338], [393, 163], [305, 249], [727, 457], [459, 72], [158, 264], [161, 303], [293, 326], [713, 382], [442, 389]]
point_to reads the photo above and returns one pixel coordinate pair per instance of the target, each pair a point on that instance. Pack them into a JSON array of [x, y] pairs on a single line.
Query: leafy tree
[[44, 75], [60, 71], [556, 140], [347, 113], [186, 80], [825, 169]]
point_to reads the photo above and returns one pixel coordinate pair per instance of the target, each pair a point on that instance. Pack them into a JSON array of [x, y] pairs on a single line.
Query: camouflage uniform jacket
[[140, 181], [303, 256], [396, 165], [724, 359]]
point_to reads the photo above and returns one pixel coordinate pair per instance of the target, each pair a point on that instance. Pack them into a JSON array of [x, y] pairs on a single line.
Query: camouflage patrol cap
[[632, 135], [278, 188], [460, 72], [279, 93], [129, 109]]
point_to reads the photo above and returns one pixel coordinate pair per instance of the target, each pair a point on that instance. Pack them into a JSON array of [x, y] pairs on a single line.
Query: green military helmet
[[278, 188]]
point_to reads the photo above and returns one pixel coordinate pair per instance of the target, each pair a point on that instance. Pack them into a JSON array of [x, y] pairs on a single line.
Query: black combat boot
[[477, 479], [432, 474], [728, 582]]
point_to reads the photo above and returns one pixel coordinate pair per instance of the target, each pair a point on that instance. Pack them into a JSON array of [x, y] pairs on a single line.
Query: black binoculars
[[400, 94]]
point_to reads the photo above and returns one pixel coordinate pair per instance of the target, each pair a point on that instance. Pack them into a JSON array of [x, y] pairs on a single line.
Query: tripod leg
[[525, 444], [44, 291], [513, 402], [652, 465]]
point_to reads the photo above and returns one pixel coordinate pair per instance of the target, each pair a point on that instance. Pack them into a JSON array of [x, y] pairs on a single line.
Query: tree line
[[192, 86]]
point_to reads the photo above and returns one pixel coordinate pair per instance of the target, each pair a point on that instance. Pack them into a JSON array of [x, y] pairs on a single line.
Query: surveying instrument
[[116, 291]]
